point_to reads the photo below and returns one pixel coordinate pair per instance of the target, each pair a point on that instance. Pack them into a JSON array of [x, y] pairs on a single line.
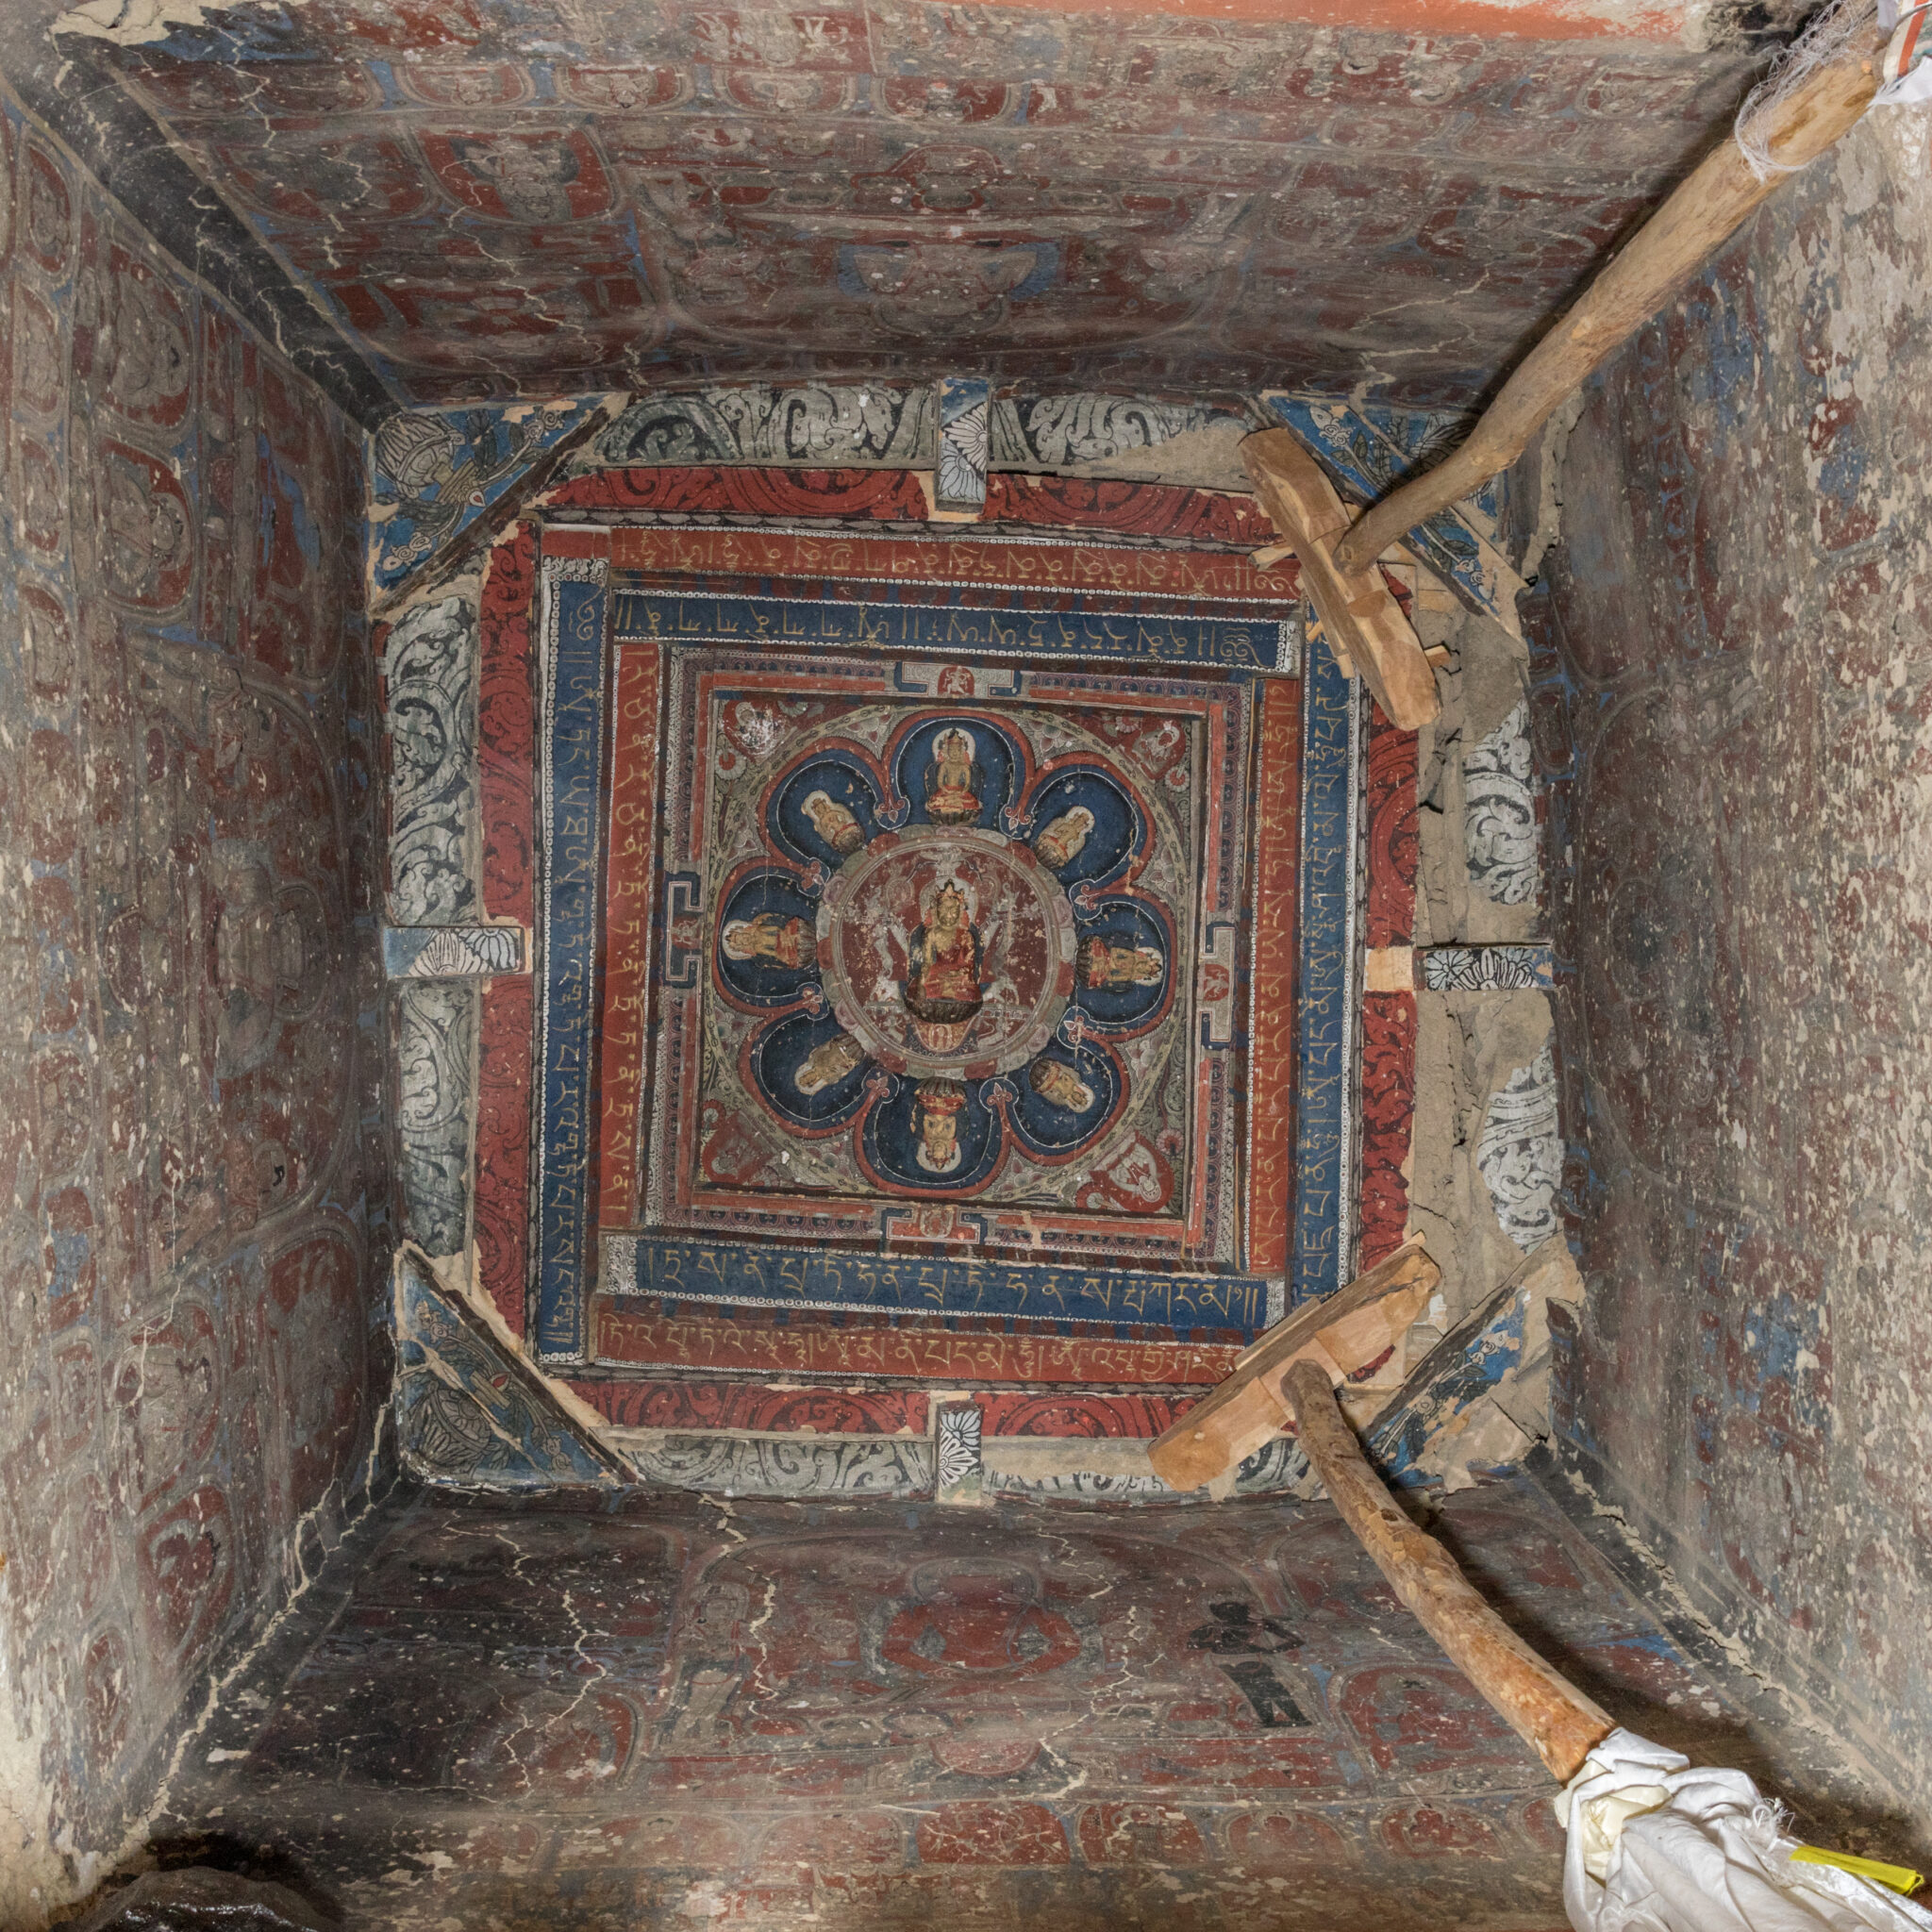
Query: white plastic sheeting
[[1654, 1846], [1908, 58]]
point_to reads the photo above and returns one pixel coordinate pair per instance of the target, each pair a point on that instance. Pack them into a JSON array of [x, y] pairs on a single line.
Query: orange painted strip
[[627, 925], [575, 542], [621, 1334], [1086, 569], [1271, 1048]]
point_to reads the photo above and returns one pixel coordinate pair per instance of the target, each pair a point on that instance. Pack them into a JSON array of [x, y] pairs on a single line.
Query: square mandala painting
[[947, 949]]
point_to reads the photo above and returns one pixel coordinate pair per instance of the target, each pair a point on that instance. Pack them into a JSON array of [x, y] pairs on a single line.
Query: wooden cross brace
[[1343, 1334], [1357, 609]]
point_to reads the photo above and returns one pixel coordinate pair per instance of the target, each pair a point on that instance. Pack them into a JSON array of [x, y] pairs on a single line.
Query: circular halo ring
[[1035, 903]]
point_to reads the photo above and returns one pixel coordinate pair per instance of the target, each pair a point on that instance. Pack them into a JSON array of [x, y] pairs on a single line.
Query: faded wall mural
[[1734, 682], [191, 1120], [495, 201]]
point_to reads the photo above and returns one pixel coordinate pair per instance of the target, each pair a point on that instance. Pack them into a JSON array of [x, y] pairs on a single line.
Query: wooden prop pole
[[1540, 1705], [1702, 212]]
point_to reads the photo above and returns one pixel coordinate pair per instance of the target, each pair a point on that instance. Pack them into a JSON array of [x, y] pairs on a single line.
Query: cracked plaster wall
[[1739, 617], [192, 1174]]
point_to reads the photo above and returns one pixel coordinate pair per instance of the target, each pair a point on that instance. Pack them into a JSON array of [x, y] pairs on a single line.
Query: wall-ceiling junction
[[436, 474]]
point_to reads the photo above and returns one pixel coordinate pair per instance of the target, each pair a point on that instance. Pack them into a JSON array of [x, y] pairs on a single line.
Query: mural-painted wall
[[540, 199], [190, 1158], [1740, 618]]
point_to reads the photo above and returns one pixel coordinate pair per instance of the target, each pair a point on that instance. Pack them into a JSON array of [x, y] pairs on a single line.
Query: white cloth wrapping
[[1654, 1846], [1907, 69]]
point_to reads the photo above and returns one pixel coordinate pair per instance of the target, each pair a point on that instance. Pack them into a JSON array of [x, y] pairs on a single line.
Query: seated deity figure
[[943, 983], [1060, 843], [953, 780], [938, 1111], [1057, 1082], [828, 1064], [773, 938], [1107, 963], [834, 822]]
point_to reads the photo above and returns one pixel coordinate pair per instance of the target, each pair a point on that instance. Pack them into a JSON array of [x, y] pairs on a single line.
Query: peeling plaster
[[138, 23]]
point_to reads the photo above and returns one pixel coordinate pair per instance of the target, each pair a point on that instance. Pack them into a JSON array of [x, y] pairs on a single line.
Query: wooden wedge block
[[1342, 1334], [1356, 607]]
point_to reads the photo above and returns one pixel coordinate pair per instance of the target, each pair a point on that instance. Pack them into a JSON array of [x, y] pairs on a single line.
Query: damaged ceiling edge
[[141, 23], [435, 491], [114, 138]]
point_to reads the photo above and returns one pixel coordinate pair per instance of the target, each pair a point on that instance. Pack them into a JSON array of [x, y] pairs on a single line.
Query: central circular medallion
[[946, 950]]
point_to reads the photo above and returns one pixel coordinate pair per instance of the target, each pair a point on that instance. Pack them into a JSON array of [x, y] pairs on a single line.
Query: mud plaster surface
[[1741, 598], [1205, 459], [1469, 1045]]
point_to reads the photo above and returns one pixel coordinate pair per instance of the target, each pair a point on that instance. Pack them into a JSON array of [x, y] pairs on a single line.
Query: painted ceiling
[[492, 200]]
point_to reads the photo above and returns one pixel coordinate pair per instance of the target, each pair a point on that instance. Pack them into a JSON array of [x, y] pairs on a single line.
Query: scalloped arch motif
[[943, 951]]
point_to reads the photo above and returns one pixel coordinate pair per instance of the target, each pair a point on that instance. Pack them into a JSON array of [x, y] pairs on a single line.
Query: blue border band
[[573, 691], [749, 1275], [1226, 643], [1324, 1095]]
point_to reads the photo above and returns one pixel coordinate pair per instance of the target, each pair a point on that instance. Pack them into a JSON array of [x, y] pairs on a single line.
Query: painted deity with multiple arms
[[942, 975]]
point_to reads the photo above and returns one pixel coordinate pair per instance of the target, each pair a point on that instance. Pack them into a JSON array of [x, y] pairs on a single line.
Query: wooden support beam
[[1356, 607], [1704, 211], [1343, 1334], [1538, 1702]]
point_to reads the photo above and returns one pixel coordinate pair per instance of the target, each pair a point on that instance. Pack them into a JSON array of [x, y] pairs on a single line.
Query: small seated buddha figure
[[828, 1064], [834, 822], [1107, 962], [1057, 1083], [938, 1103], [773, 938], [953, 780], [1060, 843]]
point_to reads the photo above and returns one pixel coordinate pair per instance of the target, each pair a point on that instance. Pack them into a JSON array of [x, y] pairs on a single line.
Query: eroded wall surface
[[1739, 613], [189, 1094], [869, 1714]]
